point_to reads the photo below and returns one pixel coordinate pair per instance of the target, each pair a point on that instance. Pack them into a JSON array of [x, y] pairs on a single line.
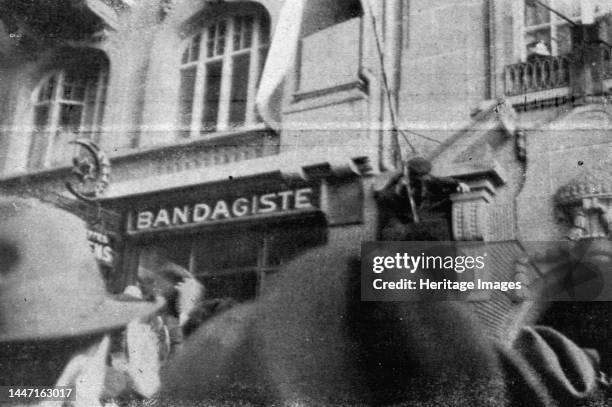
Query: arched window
[[68, 104], [220, 69]]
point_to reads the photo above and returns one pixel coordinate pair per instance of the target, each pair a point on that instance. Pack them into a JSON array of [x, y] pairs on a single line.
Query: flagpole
[[392, 65]]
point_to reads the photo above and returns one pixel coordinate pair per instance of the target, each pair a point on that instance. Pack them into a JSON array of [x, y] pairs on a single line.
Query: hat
[[174, 272], [419, 165], [50, 284], [161, 277]]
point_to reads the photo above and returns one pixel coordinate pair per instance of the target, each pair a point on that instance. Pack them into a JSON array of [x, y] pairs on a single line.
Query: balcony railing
[[550, 73], [535, 76]]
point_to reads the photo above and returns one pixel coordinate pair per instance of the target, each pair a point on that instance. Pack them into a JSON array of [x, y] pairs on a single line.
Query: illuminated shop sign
[[225, 209]]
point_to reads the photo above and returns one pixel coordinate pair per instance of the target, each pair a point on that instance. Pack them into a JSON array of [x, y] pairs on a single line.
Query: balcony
[[549, 80], [545, 74], [330, 60]]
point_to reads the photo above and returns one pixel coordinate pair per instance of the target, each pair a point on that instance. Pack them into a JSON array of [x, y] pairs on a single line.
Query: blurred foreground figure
[[55, 313], [313, 342], [187, 305]]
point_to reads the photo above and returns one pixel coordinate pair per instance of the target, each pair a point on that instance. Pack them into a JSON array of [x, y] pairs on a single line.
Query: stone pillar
[[586, 69], [471, 211]]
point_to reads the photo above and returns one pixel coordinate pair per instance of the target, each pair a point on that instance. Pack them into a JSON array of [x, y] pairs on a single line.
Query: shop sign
[[101, 246], [224, 210]]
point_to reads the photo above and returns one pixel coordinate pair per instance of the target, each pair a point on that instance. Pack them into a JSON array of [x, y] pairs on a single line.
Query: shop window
[[68, 104], [239, 286], [543, 32], [283, 245], [227, 251], [220, 69], [232, 264], [155, 258], [158, 254]]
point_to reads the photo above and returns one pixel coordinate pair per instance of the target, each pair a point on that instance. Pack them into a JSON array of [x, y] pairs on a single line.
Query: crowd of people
[[309, 341], [60, 326]]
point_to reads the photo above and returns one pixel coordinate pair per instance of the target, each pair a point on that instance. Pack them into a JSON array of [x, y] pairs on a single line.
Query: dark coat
[[313, 341]]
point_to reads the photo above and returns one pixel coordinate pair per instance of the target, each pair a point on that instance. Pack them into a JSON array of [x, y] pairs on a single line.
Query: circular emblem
[[90, 171]]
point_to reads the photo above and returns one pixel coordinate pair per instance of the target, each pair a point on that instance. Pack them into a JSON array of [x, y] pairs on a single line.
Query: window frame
[[55, 102], [260, 42], [554, 22], [269, 252]]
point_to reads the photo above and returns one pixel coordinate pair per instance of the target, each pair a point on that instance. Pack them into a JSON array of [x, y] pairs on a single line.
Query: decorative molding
[[355, 84], [289, 166], [474, 156], [471, 211], [301, 103], [540, 99], [501, 222], [233, 148]]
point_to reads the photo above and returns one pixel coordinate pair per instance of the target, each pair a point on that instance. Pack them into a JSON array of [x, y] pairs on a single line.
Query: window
[[68, 104], [220, 70], [239, 263], [545, 32]]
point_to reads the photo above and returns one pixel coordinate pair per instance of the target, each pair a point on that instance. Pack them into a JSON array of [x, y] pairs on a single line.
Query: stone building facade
[[503, 95]]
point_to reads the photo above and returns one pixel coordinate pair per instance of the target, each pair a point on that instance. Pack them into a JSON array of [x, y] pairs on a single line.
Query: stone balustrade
[[543, 74], [549, 73]]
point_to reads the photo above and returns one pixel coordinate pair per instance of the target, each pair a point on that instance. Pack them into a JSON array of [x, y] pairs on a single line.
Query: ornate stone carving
[[471, 211], [586, 201]]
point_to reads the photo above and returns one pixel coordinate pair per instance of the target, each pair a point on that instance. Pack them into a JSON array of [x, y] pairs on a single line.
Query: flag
[[297, 18], [281, 59]]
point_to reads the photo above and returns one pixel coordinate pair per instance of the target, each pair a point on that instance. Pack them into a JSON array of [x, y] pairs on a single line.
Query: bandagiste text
[[226, 209]]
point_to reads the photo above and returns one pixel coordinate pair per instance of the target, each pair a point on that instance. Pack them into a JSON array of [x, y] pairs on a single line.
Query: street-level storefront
[[234, 233], [104, 236], [231, 239]]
